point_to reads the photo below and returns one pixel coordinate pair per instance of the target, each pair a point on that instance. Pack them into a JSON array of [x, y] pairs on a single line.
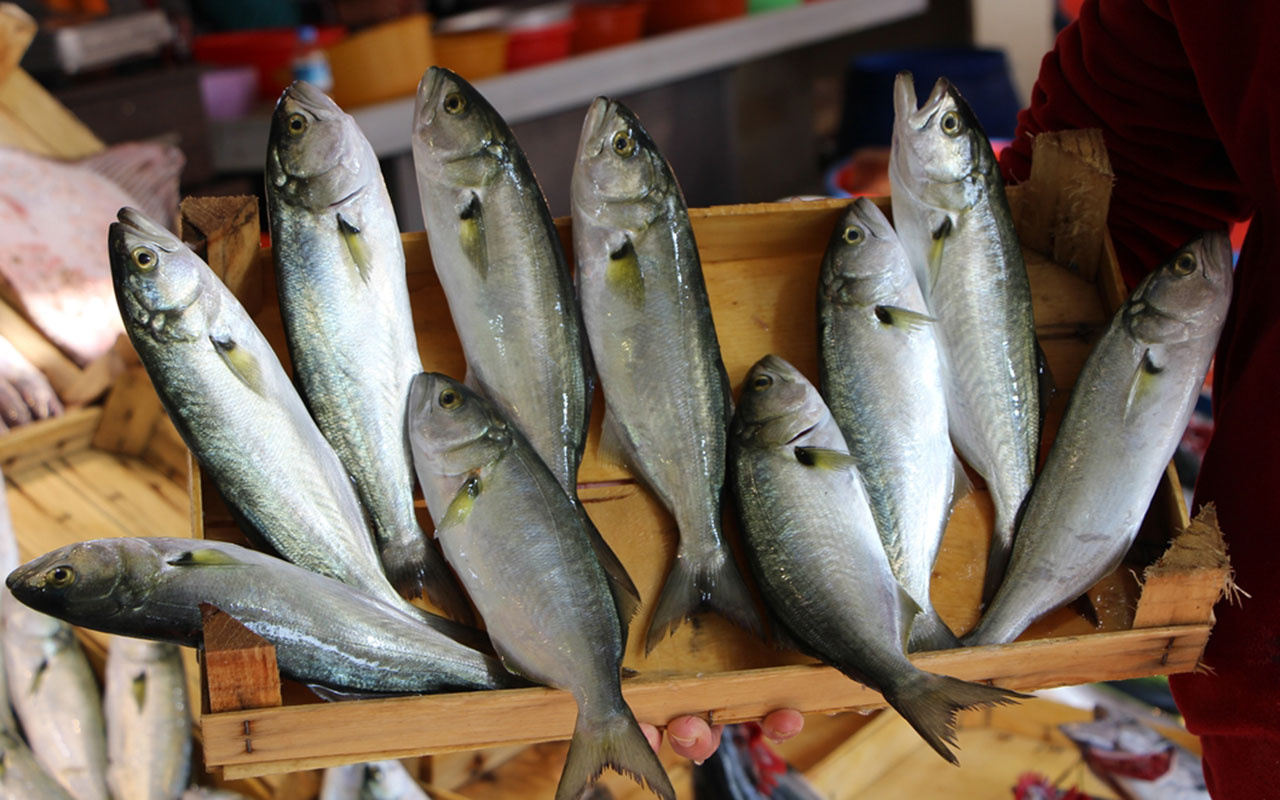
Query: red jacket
[[1187, 93]]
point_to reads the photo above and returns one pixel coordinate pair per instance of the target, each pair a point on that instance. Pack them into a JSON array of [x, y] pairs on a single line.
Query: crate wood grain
[[761, 265]]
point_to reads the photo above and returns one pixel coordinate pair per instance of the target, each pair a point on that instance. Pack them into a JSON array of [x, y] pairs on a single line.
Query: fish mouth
[[134, 222], [421, 390], [429, 90], [593, 127], [310, 99], [871, 217]]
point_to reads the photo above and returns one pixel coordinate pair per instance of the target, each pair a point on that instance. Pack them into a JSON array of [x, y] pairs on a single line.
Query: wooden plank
[[63, 373], [853, 768], [41, 117], [130, 414], [47, 439], [239, 667], [1189, 579], [452, 770], [17, 29], [224, 231], [139, 500], [310, 736]]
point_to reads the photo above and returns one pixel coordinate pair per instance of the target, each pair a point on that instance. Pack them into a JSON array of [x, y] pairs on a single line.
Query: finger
[[782, 724], [693, 738], [652, 734]]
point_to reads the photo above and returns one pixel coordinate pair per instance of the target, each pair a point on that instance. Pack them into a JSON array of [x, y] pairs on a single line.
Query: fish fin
[[939, 236], [929, 703], [824, 458], [461, 505], [471, 235], [1141, 383], [613, 442], [461, 632], [626, 597], [623, 275], [929, 633], [243, 364], [204, 557], [1083, 605], [38, 676], [334, 695], [357, 247], [613, 741], [910, 611], [139, 687], [692, 587], [903, 319], [415, 568]]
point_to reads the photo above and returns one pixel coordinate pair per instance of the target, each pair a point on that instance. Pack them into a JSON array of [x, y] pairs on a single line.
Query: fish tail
[[929, 633], [696, 585], [929, 703], [612, 741], [414, 569]]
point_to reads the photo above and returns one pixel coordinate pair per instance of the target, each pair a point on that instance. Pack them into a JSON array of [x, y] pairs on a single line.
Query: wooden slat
[[853, 768], [42, 118], [1189, 579], [240, 666], [224, 231], [310, 736], [48, 439], [17, 29]]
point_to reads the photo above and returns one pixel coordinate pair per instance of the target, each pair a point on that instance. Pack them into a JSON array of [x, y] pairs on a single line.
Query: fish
[[950, 211], [523, 552], [148, 716], [882, 380], [389, 780], [654, 347], [327, 634], [21, 778], [236, 409], [813, 547], [340, 274], [1127, 411], [342, 782], [211, 793]]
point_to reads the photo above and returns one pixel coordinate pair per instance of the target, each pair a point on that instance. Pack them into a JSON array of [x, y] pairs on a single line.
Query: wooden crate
[[761, 264]]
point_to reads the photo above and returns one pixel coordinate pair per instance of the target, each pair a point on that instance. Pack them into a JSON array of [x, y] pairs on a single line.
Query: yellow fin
[[140, 689], [940, 235], [824, 458], [462, 504], [357, 247], [623, 275], [903, 319], [1140, 386], [204, 557], [471, 235], [243, 364]]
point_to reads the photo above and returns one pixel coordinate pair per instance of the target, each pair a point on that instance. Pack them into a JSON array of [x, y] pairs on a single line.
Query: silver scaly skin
[[951, 214], [882, 380], [1130, 405], [148, 717], [654, 345], [813, 547], [21, 778], [340, 274], [389, 780], [327, 634], [523, 552], [238, 412]]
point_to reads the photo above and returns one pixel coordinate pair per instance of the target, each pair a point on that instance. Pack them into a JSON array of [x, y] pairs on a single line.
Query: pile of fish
[[927, 343]]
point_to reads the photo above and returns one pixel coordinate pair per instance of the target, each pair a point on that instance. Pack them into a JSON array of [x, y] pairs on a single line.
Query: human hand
[[694, 739]]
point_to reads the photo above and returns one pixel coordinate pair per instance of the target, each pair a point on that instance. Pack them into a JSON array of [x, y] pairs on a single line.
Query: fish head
[[452, 429], [158, 280], [85, 583], [617, 161], [317, 158], [457, 136], [1187, 296], [937, 146], [864, 262], [777, 406]]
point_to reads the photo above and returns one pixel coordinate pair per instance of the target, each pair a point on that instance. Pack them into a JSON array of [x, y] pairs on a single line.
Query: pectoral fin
[[910, 609], [205, 557], [939, 236], [471, 235], [823, 458], [357, 246], [623, 275], [903, 318], [1140, 387], [243, 364], [462, 504], [140, 689]]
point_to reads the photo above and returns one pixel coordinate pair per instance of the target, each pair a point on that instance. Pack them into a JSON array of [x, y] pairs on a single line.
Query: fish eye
[[1185, 264], [623, 144], [853, 234], [454, 103], [60, 577], [144, 258], [761, 382], [450, 399], [297, 124], [951, 124]]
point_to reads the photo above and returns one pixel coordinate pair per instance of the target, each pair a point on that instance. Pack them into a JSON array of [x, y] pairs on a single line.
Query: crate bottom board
[[264, 741]]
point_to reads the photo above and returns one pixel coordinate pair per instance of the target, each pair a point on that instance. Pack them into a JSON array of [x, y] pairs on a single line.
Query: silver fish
[[340, 274], [237, 410], [327, 634], [342, 782], [21, 778], [148, 717], [951, 214], [389, 780], [883, 383], [1128, 410], [654, 344], [816, 555], [8, 562], [522, 549]]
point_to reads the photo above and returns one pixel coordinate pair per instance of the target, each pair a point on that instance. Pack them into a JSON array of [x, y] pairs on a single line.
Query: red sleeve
[[1122, 67]]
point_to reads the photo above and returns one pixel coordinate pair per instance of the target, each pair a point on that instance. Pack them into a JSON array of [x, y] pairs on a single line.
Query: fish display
[[654, 345], [882, 381], [148, 717], [1128, 410], [950, 211], [21, 778], [327, 634], [523, 552], [340, 275], [238, 412], [817, 557]]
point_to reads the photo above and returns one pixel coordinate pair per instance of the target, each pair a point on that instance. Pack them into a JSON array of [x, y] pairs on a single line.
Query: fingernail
[[681, 742], [697, 763]]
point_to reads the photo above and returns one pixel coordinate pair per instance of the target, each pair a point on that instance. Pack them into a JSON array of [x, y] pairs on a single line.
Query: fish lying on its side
[[523, 552], [951, 214], [238, 412], [345, 305], [148, 719], [814, 550], [883, 383], [1128, 410], [327, 634], [21, 778], [654, 345]]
